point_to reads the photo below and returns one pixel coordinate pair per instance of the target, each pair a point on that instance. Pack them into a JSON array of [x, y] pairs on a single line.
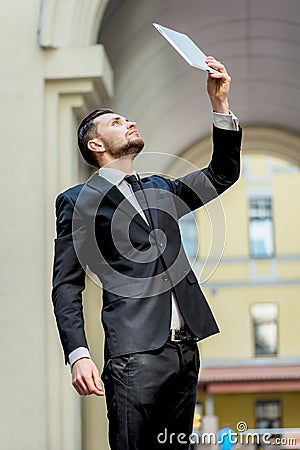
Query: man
[[125, 230]]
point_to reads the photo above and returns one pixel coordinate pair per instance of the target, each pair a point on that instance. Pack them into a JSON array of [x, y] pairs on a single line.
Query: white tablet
[[186, 47]]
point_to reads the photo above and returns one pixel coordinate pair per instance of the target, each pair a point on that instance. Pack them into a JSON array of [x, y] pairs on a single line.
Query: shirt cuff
[[78, 353], [225, 121]]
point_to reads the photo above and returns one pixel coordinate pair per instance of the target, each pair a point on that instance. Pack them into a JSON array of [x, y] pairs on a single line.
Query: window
[[268, 413], [261, 232], [264, 316], [189, 234]]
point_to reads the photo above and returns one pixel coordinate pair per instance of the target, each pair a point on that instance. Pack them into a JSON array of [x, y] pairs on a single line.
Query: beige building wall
[[240, 281], [23, 416], [232, 309], [242, 408]]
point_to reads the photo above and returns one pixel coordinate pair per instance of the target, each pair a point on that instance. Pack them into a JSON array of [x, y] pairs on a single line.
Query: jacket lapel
[[113, 194]]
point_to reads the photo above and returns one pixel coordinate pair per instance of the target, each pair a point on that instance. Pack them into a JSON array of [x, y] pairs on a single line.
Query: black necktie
[[142, 200]]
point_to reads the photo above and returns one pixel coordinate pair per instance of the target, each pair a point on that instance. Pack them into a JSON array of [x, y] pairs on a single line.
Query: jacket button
[[165, 278]]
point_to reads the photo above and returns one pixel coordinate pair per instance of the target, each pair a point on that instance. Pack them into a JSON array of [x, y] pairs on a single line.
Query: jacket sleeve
[[200, 187], [68, 281]]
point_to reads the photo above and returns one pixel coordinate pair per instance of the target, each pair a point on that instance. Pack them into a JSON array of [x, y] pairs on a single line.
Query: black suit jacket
[[138, 265]]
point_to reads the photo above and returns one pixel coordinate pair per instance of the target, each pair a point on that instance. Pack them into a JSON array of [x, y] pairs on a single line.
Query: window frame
[[265, 401], [254, 328], [257, 219], [190, 218]]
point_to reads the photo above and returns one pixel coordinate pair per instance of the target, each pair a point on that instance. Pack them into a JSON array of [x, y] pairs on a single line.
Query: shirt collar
[[114, 176]]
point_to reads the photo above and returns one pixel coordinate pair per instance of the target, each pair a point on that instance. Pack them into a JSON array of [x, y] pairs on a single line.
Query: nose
[[131, 124]]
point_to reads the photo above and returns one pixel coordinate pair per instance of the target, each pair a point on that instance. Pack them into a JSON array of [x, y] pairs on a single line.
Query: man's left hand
[[218, 86]]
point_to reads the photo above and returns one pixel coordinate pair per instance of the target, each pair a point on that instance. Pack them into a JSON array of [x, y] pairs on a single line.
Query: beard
[[132, 147]]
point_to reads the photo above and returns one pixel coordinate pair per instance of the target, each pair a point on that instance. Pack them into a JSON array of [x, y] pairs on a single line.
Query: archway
[[273, 141]]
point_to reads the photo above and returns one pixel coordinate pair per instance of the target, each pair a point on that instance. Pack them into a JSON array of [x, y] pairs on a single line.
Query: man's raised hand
[[218, 86]]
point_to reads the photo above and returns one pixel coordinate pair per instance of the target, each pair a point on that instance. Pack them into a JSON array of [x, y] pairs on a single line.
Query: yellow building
[[251, 370]]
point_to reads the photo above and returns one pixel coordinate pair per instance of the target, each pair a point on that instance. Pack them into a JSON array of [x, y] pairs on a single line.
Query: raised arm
[[200, 187]]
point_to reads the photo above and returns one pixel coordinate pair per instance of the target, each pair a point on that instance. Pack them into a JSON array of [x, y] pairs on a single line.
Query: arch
[[81, 28], [256, 42], [273, 141]]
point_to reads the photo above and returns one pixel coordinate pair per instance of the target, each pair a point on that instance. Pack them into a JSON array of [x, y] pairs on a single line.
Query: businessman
[[125, 229]]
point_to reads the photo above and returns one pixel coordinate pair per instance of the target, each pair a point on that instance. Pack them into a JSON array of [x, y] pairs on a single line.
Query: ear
[[96, 145]]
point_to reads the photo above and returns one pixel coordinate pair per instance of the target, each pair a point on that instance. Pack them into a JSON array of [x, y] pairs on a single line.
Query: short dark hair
[[87, 130]]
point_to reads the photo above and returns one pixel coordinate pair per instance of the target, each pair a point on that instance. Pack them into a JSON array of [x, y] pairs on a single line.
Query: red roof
[[250, 378], [248, 373]]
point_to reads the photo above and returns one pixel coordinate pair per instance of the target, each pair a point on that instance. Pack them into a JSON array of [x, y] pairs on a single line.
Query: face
[[119, 136]]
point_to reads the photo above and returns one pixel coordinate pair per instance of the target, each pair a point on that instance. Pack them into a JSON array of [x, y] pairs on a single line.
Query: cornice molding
[[70, 23]]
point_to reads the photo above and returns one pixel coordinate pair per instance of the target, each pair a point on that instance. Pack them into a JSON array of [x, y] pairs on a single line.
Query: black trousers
[[151, 397]]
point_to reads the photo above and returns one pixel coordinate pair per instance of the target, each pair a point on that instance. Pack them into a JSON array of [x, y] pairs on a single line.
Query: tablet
[[186, 48]]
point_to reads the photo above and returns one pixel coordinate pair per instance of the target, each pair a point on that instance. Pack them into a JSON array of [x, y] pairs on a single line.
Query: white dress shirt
[[116, 177]]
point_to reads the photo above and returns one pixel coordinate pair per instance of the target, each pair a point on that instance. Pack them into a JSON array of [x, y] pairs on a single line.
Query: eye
[[115, 123]]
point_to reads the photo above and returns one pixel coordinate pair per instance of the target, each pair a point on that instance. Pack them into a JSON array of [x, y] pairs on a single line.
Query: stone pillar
[[210, 424], [76, 81]]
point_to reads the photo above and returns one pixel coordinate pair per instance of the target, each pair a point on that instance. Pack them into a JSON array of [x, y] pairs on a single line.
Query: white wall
[[23, 405]]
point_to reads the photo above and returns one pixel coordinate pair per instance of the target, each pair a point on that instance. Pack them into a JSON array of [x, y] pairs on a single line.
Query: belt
[[183, 334]]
